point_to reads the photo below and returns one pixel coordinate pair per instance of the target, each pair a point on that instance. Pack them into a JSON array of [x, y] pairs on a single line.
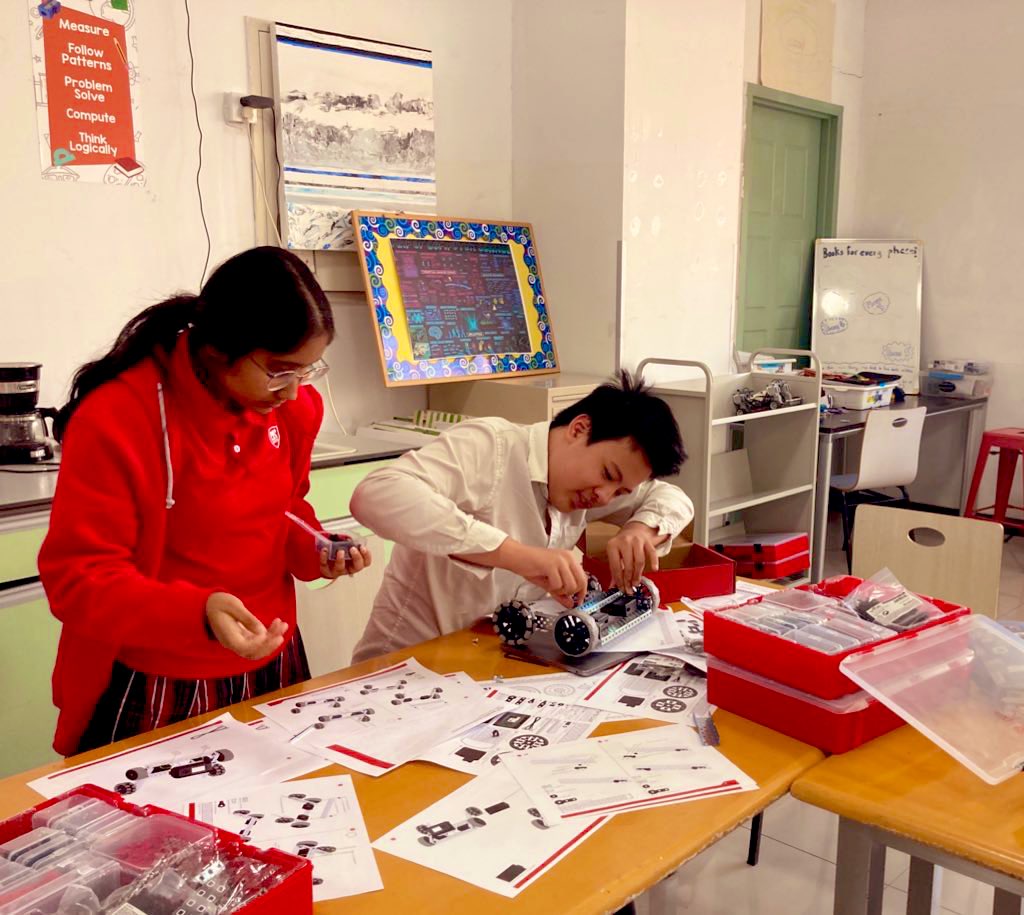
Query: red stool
[[1009, 445]]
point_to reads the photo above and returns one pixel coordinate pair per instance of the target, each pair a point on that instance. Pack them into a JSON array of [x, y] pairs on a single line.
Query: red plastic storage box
[[764, 547], [790, 663], [128, 852], [687, 570], [779, 568], [832, 725]]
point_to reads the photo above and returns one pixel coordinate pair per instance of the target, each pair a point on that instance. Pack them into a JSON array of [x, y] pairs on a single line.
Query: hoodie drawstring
[[169, 500]]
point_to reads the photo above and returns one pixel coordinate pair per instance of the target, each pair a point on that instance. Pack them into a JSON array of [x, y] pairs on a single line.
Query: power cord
[[199, 127], [263, 189], [330, 400]]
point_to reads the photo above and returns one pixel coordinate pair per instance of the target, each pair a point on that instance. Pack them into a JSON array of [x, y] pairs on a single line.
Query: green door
[[786, 151]]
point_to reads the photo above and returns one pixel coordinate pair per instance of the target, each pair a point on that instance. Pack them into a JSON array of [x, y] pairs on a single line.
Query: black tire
[[514, 622]]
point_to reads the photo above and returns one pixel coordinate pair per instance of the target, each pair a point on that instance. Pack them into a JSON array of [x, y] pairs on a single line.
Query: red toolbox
[[687, 570], [764, 547], [90, 843], [779, 568], [832, 725], [790, 663]]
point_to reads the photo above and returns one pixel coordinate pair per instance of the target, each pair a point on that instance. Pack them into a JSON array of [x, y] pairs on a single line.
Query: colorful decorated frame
[[375, 232]]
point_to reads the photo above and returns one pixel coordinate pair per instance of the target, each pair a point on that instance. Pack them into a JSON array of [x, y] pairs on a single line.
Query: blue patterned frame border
[[372, 228]]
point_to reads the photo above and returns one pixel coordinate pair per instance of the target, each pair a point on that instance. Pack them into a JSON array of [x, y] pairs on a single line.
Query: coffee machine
[[23, 432]]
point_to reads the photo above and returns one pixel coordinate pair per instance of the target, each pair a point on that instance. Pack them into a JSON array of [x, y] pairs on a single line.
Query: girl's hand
[[358, 559], [238, 630]]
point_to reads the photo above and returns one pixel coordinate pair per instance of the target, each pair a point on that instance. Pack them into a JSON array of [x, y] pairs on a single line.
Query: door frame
[[831, 122]]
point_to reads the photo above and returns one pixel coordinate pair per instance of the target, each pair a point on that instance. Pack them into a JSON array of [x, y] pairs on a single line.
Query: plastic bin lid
[[961, 684]]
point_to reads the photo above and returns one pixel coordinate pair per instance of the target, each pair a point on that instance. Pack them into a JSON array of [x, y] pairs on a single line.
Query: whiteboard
[[867, 306]]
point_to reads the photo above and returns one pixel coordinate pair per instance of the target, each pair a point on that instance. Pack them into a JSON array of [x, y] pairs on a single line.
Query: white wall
[[683, 150], [944, 124], [567, 109], [847, 90], [80, 259]]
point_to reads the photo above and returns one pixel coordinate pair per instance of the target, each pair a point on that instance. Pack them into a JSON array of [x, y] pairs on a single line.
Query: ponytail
[[156, 327]]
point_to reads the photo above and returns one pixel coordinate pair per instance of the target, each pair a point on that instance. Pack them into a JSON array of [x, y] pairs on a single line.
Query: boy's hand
[[630, 552], [556, 571]]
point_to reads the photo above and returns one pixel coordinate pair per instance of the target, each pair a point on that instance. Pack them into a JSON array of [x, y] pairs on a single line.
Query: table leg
[[860, 871], [923, 890], [821, 507], [1005, 903]]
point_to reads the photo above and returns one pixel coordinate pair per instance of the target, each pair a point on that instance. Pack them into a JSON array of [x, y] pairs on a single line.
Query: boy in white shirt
[[491, 511]]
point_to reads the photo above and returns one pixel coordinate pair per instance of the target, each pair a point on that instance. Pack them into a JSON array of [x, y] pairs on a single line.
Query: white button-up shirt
[[482, 481]]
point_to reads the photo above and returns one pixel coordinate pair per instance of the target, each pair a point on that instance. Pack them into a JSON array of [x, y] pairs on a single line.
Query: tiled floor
[[796, 872]]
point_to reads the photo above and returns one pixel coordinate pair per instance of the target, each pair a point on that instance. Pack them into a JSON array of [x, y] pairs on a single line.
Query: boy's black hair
[[627, 409]]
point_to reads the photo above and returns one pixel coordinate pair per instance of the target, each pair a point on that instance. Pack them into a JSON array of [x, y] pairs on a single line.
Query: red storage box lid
[[687, 570], [791, 663], [768, 547]]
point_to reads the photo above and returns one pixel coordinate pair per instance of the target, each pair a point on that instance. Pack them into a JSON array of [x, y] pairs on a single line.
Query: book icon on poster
[[128, 166]]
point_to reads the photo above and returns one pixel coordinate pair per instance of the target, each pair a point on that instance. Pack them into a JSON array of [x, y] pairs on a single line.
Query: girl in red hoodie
[[169, 559]]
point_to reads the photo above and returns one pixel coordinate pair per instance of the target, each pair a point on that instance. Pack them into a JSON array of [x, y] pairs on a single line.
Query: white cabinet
[[753, 473]]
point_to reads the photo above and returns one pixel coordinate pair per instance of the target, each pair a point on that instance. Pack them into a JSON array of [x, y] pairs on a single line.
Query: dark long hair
[[264, 298]]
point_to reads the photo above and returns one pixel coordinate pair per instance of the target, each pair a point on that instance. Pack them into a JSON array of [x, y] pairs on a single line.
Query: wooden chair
[[956, 559]]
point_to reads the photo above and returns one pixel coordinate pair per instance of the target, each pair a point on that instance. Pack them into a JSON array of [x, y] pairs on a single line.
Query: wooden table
[[632, 853], [901, 791]]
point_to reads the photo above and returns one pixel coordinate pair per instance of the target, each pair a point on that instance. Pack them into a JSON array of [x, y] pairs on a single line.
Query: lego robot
[[603, 617], [208, 764]]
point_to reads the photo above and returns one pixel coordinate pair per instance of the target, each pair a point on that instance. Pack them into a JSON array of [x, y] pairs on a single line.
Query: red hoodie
[[165, 496]]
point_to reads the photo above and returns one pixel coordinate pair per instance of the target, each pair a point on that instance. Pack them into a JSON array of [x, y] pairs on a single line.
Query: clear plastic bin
[[960, 684], [47, 815], [803, 601], [153, 839], [28, 842], [12, 873], [65, 894]]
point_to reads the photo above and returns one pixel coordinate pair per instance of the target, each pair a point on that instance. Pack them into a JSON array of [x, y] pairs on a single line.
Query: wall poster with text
[[85, 79]]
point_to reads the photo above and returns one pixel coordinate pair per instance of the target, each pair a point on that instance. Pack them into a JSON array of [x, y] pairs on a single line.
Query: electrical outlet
[[235, 112]]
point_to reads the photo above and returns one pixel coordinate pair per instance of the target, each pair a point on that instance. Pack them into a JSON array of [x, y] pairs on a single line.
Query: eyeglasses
[[278, 381]]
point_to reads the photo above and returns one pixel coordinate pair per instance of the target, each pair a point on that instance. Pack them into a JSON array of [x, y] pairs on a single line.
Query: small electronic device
[[602, 618], [331, 541]]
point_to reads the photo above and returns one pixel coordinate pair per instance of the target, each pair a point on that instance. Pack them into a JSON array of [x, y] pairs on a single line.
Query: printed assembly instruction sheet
[[381, 720], [631, 771], [316, 818], [649, 686], [172, 771], [487, 833]]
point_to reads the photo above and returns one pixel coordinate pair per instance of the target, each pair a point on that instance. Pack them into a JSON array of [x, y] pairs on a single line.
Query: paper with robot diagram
[[171, 771], [376, 722], [315, 818], [487, 833], [632, 771], [478, 749], [649, 686]]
